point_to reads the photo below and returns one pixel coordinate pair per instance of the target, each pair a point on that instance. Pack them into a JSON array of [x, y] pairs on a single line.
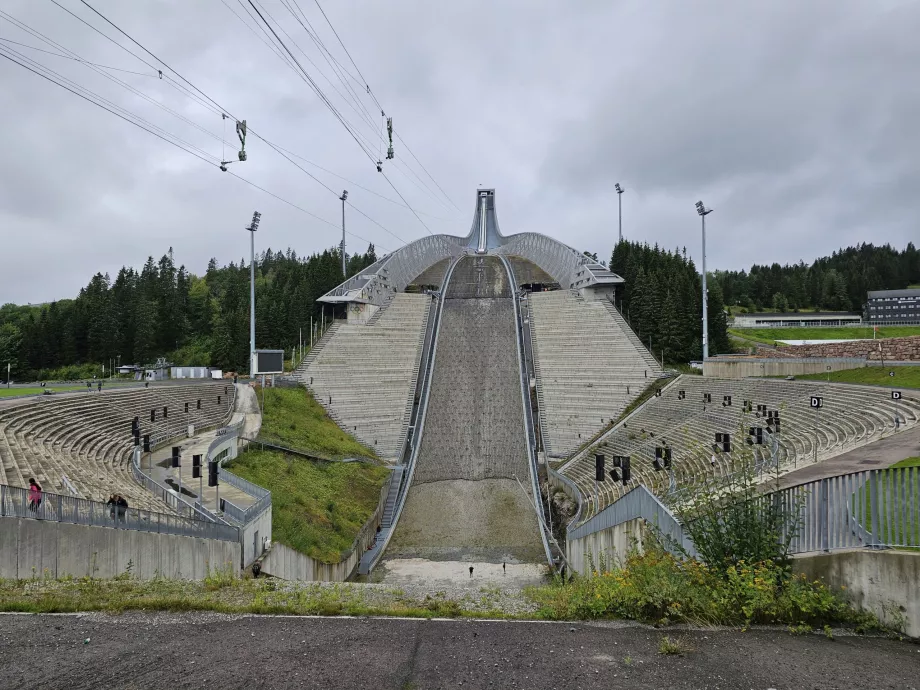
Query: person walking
[[471, 572], [112, 503], [35, 496], [122, 506]]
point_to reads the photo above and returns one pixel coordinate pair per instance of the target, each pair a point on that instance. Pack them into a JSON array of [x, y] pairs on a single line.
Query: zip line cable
[[86, 62], [217, 105], [74, 56], [401, 141], [150, 130], [86, 98], [372, 95]]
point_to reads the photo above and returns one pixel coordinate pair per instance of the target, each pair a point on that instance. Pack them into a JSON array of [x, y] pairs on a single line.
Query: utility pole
[[342, 199], [252, 291], [620, 191], [703, 212]]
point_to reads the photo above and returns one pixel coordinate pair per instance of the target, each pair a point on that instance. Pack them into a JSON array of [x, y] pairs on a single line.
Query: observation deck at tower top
[[390, 275]]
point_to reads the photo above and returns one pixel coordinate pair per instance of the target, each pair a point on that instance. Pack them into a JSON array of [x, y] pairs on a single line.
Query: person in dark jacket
[[122, 506]]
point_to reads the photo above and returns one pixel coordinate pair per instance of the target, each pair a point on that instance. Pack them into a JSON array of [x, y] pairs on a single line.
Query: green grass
[[904, 377], [901, 528], [293, 419], [770, 335], [908, 462], [318, 507]]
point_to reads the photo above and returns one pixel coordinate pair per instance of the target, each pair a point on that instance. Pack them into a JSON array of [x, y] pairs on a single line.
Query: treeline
[[165, 311], [838, 282], [662, 300]]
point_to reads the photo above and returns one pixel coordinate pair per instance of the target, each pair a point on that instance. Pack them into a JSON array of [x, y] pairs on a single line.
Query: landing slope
[[464, 503]]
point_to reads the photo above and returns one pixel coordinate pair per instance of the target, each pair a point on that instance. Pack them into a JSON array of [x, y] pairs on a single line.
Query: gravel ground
[[211, 650]]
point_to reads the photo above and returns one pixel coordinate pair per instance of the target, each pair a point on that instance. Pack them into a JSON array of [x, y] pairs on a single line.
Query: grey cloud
[[794, 120]]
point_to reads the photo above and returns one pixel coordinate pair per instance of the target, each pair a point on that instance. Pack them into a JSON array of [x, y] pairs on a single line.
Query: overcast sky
[[796, 121]]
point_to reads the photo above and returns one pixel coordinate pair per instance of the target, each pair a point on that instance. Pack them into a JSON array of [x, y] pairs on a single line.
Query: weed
[[627, 660], [800, 629], [828, 632], [679, 646]]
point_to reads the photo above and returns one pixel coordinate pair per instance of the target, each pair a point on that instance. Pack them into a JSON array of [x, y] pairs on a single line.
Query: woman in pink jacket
[[35, 495]]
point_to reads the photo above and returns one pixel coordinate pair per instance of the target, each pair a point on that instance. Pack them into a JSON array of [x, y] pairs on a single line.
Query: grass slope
[[293, 419], [904, 377], [770, 335], [317, 507]]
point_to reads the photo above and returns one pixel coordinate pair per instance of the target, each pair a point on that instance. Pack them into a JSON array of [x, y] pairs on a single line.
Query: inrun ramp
[[464, 503]]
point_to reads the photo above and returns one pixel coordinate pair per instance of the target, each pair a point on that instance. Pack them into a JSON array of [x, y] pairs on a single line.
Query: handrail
[[528, 412], [14, 502], [420, 425]]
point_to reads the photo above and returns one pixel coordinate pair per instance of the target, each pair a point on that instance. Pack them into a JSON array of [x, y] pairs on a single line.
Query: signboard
[[817, 402], [895, 395], [268, 362]]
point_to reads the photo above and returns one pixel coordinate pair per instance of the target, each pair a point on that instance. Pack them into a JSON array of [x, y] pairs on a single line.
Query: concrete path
[[877, 455], [216, 651], [454, 575], [246, 409]]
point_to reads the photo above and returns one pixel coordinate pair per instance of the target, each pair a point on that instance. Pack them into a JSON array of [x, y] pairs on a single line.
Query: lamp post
[[256, 217], [703, 212], [342, 199], [620, 191]]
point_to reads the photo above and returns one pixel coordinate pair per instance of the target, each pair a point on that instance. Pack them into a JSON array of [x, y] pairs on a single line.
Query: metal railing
[[170, 497], [873, 508], [262, 495], [638, 503], [14, 502]]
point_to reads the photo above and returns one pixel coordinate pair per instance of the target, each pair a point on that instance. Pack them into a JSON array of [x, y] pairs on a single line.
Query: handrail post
[[823, 515], [875, 538]]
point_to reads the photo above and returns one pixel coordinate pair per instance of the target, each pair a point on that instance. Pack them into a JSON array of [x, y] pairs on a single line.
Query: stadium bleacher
[[86, 437], [364, 374], [680, 418], [589, 366]]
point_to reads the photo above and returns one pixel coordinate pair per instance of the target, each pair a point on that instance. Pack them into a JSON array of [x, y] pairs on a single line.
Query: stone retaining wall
[[893, 349]]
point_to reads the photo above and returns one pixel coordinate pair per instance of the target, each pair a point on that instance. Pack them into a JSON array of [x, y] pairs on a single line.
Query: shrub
[[658, 587]]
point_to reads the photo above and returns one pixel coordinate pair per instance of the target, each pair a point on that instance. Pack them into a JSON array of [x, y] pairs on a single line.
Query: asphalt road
[[223, 652]]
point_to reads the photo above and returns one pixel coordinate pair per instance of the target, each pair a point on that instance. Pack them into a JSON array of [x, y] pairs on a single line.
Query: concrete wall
[[359, 312], [608, 547], [884, 582], [288, 564], [31, 548], [254, 534], [891, 349], [740, 367]]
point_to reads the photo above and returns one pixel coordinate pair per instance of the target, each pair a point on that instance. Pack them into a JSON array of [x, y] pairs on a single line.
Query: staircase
[[410, 403], [647, 356], [300, 373], [386, 521]]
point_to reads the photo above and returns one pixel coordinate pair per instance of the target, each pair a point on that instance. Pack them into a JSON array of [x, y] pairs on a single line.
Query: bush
[[658, 587]]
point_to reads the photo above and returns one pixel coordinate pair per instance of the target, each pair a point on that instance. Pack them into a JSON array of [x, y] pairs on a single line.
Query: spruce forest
[[164, 311]]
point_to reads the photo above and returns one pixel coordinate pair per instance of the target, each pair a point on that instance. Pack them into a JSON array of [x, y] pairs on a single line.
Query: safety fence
[[15, 502]]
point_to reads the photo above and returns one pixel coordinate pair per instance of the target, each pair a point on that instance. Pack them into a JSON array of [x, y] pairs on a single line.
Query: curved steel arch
[[379, 282]]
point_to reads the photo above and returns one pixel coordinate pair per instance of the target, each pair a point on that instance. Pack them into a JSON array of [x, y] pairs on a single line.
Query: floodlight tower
[[256, 217], [342, 199], [620, 191], [703, 212]]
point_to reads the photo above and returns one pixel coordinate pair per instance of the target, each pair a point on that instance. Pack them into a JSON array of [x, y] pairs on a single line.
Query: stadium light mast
[[620, 191], [703, 212], [342, 199], [256, 217]]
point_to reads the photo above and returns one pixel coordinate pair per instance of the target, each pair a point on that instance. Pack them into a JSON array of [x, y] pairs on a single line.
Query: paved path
[[215, 651], [246, 409], [877, 455]]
